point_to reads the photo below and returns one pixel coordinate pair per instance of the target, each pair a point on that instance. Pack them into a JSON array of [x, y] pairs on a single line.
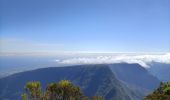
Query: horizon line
[[74, 52]]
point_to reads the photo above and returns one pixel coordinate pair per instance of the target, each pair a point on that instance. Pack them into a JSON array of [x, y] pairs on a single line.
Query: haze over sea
[[23, 62]]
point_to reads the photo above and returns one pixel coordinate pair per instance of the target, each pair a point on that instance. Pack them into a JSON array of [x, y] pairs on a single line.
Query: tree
[[33, 90], [64, 90], [161, 93], [24, 96], [97, 98]]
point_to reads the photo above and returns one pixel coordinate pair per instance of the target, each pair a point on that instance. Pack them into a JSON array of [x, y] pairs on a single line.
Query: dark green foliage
[[24, 96], [64, 90], [33, 90], [161, 93], [97, 98]]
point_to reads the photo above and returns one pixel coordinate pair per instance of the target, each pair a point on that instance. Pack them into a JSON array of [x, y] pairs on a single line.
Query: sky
[[84, 26]]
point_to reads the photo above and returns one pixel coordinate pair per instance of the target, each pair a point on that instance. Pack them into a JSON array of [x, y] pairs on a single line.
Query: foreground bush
[[63, 90], [161, 93]]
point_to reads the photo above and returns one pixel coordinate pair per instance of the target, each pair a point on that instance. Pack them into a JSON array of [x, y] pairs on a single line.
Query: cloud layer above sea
[[142, 59]]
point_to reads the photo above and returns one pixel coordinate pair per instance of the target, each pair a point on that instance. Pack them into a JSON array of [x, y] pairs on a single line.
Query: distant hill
[[93, 80], [135, 76], [160, 70]]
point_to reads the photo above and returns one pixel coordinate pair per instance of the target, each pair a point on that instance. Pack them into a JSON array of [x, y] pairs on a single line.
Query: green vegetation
[[161, 93], [63, 90]]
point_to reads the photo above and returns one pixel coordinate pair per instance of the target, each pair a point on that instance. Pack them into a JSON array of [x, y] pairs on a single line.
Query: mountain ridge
[[93, 80], [135, 74]]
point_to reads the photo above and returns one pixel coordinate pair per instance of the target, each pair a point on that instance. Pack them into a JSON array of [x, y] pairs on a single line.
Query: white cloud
[[142, 59]]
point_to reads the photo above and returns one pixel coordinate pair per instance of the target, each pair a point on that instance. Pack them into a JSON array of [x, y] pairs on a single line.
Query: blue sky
[[85, 25]]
